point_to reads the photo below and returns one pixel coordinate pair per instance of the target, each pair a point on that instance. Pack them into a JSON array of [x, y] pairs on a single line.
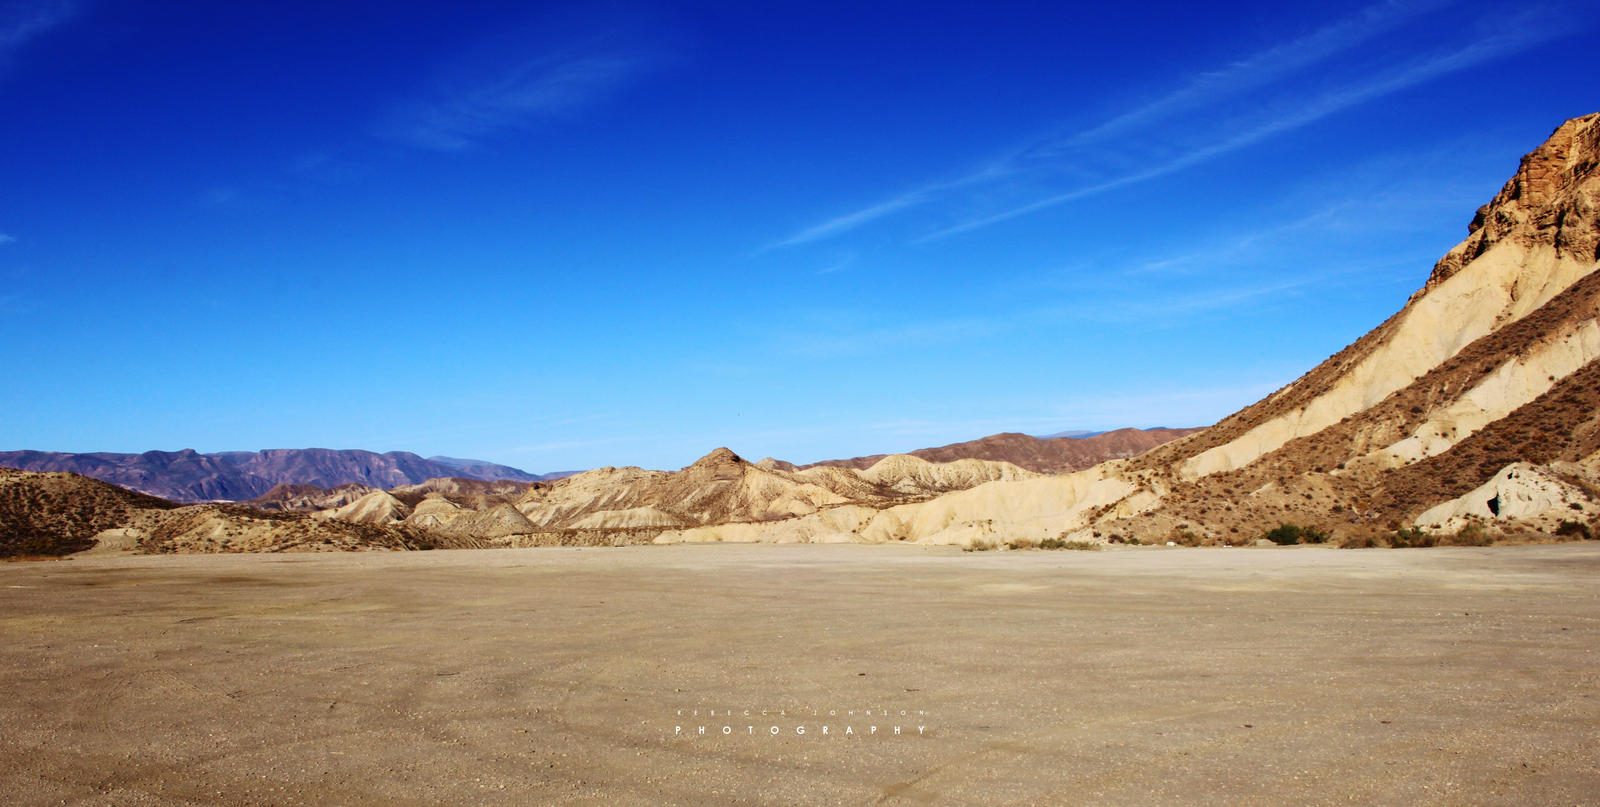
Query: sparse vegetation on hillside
[[1471, 535], [1286, 534], [1574, 529], [1409, 537], [60, 513], [1363, 539], [1183, 536]]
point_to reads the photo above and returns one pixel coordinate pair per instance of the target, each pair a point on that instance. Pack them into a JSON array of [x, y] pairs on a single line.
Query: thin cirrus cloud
[[1514, 39], [465, 111], [1270, 65], [1264, 69], [22, 23]]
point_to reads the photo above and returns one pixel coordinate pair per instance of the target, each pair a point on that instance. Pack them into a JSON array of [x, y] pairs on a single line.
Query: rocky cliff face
[[1549, 202]]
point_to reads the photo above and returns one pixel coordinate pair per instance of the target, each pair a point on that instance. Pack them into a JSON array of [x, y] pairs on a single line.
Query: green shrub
[[1286, 534], [1183, 536], [1574, 529], [1412, 537], [1362, 540], [1471, 535], [1061, 543]]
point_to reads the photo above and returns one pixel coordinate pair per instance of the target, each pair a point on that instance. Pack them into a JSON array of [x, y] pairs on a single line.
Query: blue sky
[[566, 236]]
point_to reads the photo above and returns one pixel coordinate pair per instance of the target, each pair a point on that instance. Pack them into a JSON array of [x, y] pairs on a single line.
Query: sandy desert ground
[[564, 676]]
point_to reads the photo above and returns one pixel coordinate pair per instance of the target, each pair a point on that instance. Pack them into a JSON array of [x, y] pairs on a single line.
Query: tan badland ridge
[[1477, 401], [59, 513], [631, 505]]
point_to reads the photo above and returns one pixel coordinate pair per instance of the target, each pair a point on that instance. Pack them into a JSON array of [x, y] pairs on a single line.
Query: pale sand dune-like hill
[[295, 498], [377, 507], [629, 505]]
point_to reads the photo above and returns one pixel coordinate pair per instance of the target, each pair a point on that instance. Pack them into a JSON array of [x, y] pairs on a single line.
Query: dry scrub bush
[[1062, 543], [1470, 535], [1574, 529], [1412, 537], [1365, 539], [1286, 534], [1183, 536]]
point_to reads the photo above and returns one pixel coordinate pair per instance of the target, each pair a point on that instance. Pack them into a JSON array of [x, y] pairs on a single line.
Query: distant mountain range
[[189, 476], [1070, 451]]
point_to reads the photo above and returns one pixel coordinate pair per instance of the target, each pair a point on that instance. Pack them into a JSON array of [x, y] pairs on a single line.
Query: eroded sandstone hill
[[606, 506], [632, 505], [62, 513], [1477, 400]]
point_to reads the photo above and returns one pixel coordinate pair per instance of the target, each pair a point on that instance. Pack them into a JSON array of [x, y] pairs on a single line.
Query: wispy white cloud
[[23, 22], [1046, 162], [850, 221], [1513, 39], [911, 198], [1268, 66], [6, 239], [515, 93]]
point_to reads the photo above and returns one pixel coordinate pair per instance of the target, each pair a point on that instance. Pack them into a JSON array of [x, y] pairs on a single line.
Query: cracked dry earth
[[573, 676]]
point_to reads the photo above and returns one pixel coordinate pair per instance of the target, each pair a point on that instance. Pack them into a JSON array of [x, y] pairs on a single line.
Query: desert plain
[[1271, 676]]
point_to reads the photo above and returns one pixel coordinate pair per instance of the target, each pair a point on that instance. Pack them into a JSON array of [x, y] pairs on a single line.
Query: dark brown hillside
[[1402, 412], [59, 513], [1561, 425], [1041, 455]]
